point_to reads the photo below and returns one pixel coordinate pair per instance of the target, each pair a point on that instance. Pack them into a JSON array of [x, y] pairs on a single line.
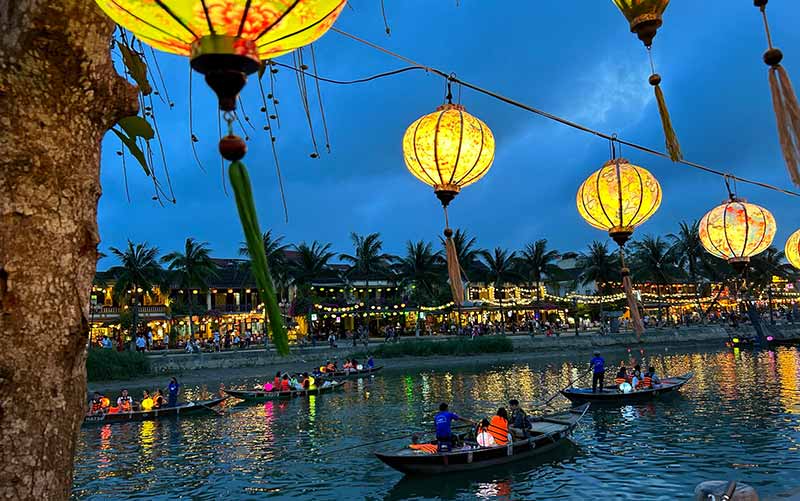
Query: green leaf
[[137, 153], [137, 126], [136, 67]]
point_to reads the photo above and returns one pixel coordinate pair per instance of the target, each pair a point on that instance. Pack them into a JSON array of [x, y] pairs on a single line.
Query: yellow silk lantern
[[736, 231], [792, 249], [226, 39], [618, 198], [449, 149]]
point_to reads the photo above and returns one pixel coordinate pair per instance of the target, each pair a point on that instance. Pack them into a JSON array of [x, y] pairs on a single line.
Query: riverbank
[[231, 366]]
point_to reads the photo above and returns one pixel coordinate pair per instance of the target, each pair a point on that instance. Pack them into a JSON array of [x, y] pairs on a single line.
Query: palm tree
[[421, 267], [653, 260], [690, 255], [369, 259], [192, 268], [468, 253], [769, 263], [312, 262], [275, 250], [599, 266], [500, 269], [138, 273], [537, 263]]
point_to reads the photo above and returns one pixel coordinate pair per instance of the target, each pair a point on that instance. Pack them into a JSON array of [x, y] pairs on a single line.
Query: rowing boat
[[348, 374], [615, 396], [181, 409], [547, 432], [261, 395]]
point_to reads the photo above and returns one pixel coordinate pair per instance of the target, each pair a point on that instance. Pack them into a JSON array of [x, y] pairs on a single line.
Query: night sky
[[575, 59]]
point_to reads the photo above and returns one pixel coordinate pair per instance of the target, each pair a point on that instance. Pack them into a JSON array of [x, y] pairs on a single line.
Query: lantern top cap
[[451, 106], [615, 161]]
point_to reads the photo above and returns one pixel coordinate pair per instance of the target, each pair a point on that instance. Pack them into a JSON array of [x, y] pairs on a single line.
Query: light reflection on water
[[738, 419]]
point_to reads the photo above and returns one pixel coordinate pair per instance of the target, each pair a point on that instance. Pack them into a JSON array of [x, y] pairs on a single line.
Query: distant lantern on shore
[[792, 249], [645, 18], [736, 231], [618, 198], [448, 150]]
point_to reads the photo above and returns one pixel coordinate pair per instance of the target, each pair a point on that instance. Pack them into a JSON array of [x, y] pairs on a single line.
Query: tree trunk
[[59, 94]]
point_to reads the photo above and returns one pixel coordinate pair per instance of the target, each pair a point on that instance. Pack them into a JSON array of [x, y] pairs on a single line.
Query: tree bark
[[59, 93]]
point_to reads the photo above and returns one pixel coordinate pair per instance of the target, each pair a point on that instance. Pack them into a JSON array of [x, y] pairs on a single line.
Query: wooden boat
[[348, 374], [614, 395], [261, 395], [547, 432], [181, 409]]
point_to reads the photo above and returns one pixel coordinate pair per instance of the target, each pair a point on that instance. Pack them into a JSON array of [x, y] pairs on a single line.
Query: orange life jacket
[[427, 448], [331, 368], [647, 382], [285, 385], [619, 380], [125, 406], [96, 406], [498, 427], [276, 382]]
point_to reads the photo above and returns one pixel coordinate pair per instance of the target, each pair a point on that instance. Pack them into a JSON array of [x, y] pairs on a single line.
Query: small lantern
[[736, 231], [792, 249]]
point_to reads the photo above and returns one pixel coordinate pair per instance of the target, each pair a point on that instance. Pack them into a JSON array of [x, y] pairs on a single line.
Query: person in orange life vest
[[331, 367], [158, 399], [498, 426], [125, 402], [285, 383], [650, 379], [622, 375], [96, 405], [276, 382], [484, 437]]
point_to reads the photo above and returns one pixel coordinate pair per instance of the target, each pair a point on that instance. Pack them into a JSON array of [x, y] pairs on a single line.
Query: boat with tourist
[[545, 433], [261, 395], [348, 373], [623, 394], [182, 409]]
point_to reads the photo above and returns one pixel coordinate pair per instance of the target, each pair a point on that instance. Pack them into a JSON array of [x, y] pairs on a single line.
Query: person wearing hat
[[598, 371]]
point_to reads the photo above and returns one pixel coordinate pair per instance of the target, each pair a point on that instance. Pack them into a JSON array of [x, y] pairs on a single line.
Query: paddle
[[385, 440], [215, 411], [546, 402]]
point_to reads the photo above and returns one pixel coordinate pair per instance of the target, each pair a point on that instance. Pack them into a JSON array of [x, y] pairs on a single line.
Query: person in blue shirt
[[174, 388], [598, 371], [442, 420], [370, 363]]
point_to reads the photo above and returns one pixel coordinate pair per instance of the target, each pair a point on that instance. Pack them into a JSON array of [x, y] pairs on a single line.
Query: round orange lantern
[[792, 249], [736, 231], [618, 198]]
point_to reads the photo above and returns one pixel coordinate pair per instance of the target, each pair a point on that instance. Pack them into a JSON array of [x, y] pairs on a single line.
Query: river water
[[737, 419]]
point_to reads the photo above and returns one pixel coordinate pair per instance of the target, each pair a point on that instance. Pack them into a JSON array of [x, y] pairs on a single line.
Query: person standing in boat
[[174, 389], [598, 371], [519, 424], [442, 420], [370, 363]]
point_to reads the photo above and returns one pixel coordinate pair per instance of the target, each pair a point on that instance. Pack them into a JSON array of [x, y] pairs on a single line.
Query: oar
[[218, 413], [546, 402], [384, 440]]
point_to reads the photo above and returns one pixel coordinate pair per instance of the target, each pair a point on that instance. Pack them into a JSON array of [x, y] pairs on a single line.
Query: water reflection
[[737, 419]]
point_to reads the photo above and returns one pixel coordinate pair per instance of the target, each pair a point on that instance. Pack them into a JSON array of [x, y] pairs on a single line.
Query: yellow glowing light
[[792, 249], [260, 29], [737, 230], [448, 149], [619, 197]]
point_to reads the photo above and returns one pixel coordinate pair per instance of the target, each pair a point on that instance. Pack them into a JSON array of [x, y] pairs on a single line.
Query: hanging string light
[[227, 40], [618, 198], [645, 18], [448, 150], [784, 101], [792, 249]]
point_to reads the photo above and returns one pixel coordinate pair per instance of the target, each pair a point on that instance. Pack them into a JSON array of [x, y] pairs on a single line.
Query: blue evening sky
[[576, 59]]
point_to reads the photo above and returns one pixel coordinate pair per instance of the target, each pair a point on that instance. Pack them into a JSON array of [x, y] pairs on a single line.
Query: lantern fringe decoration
[[636, 318], [453, 266], [670, 137], [784, 101]]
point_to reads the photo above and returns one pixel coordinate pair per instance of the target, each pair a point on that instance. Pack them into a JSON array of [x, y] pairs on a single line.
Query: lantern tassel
[[787, 116], [453, 268], [243, 192], [636, 319], [670, 138]]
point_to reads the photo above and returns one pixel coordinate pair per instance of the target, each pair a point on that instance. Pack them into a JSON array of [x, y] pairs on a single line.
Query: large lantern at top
[[792, 249], [736, 231], [449, 149], [618, 198], [225, 38]]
